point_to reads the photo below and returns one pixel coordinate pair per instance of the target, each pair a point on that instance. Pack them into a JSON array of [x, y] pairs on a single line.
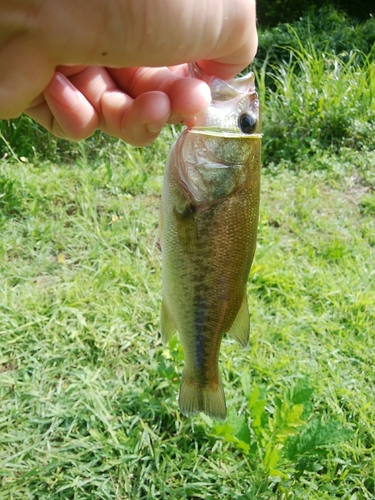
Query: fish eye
[[247, 123]]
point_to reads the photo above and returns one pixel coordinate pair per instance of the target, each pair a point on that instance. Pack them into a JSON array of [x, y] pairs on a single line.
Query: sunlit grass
[[317, 101], [89, 395]]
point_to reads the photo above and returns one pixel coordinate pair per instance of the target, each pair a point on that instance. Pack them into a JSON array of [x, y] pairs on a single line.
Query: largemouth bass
[[208, 229]]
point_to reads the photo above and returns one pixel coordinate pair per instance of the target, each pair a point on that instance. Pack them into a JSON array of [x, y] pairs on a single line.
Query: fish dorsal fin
[[240, 329], [167, 326]]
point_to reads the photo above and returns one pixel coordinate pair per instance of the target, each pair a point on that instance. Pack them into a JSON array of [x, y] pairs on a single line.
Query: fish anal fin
[[240, 329], [166, 324], [209, 399]]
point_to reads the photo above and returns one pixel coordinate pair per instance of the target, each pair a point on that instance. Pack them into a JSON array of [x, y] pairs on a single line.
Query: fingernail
[[63, 91], [190, 122], [154, 128], [205, 92]]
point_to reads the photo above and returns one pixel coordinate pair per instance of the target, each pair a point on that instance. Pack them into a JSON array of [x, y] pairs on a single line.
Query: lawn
[[88, 393]]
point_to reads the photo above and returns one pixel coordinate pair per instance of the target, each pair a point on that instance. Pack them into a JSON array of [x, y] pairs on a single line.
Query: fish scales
[[209, 218]]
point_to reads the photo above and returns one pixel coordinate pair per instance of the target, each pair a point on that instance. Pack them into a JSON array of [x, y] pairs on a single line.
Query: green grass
[[330, 30], [88, 394], [317, 101]]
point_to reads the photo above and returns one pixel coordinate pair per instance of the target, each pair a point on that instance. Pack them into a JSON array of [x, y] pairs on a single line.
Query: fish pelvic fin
[[240, 329], [208, 399], [166, 324]]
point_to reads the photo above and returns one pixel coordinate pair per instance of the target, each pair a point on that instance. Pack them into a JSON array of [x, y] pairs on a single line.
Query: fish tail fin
[[208, 399]]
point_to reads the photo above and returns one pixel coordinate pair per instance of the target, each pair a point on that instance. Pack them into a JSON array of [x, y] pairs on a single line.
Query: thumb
[[24, 75]]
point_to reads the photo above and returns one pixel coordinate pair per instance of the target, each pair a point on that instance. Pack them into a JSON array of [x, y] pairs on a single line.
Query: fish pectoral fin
[[209, 400], [166, 323], [187, 229], [240, 329]]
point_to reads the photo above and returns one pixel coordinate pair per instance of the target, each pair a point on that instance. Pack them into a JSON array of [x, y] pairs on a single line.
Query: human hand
[[38, 36], [131, 103]]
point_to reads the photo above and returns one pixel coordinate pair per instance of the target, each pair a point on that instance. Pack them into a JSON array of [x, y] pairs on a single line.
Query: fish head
[[217, 151], [234, 108]]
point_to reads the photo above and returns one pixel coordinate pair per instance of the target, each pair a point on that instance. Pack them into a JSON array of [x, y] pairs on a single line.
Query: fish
[[208, 230]]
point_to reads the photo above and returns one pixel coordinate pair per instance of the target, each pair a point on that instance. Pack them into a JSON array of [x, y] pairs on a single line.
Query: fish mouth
[[219, 132]]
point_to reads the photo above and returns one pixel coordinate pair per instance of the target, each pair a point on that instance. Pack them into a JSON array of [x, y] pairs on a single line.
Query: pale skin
[[120, 66]]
